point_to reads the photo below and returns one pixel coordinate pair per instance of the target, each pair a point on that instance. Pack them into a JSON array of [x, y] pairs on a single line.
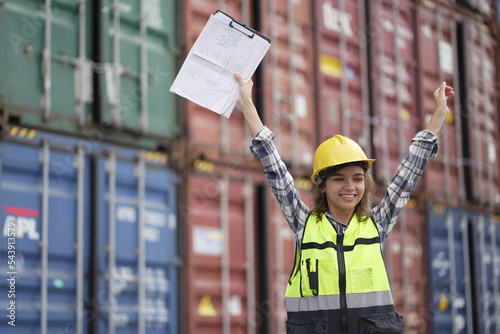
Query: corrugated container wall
[[46, 227], [464, 264], [461, 51], [91, 68], [208, 135], [288, 101], [288, 87], [341, 44], [219, 212], [289, 108], [392, 67], [364, 69], [239, 249], [89, 236]]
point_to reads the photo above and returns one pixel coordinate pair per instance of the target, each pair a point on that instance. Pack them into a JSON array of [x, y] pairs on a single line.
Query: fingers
[[449, 91], [238, 78], [444, 89]]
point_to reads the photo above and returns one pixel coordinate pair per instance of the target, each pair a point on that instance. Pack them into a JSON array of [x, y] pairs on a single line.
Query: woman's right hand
[[245, 88], [246, 105]]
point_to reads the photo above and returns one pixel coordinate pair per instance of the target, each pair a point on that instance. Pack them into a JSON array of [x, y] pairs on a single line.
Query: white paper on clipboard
[[224, 47]]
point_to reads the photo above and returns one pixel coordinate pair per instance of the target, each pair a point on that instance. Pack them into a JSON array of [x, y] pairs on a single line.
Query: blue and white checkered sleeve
[[280, 181], [423, 146]]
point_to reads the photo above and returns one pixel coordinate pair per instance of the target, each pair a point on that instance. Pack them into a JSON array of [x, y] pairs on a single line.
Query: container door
[[342, 76], [136, 246], [45, 73], [464, 270], [140, 57], [451, 295], [486, 257], [44, 196], [221, 282]]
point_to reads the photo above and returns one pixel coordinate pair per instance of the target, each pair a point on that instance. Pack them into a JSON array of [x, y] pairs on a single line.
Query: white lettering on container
[[335, 20]]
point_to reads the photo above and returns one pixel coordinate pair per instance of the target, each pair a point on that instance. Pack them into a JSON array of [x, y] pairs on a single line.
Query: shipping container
[[135, 234], [284, 95], [45, 241], [454, 48], [220, 255], [220, 273], [140, 45], [406, 263], [342, 78], [392, 68], [208, 135], [464, 265], [100, 68], [483, 8], [46, 71], [92, 230], [367, 77]]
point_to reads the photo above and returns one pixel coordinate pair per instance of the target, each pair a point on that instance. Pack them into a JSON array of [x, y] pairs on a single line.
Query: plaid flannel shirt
[[423, 146]]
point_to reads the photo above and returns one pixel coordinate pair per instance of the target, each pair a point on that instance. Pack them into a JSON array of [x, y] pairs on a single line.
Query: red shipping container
[[288, 95], [341, 52], [220, 254], [458, 50], [393, 77]]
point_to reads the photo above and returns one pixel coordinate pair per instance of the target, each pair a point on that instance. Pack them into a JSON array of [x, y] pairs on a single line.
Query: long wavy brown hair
[[362, 210]]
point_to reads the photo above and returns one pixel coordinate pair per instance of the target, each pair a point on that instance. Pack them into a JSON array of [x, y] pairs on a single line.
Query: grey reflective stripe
[[377, 298], [313, 303], [332, 302]]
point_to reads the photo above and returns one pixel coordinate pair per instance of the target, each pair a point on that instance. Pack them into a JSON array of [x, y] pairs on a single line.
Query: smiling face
[[344, 190]]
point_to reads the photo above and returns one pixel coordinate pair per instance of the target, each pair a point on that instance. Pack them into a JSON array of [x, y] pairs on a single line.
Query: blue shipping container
[[45, 232], [137, 246], [464, 250], [68, 264]]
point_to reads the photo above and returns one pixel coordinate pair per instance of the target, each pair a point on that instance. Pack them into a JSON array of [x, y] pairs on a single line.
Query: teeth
[[348, 196]]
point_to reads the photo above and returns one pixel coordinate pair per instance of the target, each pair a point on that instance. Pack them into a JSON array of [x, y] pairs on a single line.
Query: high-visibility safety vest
[[339, 281]]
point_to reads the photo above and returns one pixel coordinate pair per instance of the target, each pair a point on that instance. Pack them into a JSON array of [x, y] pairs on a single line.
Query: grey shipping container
[[100, 68], [89, 239], [464, 259]]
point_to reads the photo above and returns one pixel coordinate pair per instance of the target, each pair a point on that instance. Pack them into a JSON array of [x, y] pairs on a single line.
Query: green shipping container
[[99, 69]]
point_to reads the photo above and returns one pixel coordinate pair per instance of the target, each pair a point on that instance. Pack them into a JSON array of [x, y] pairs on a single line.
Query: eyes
[[340, 179]]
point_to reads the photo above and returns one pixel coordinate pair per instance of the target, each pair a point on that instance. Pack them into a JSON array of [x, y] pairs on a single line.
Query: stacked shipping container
[[99, 72], [239, 245], [89, 226], [89, 240], [91, 68]]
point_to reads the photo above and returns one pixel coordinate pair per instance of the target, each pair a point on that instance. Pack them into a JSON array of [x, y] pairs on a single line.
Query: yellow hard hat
[[336, 151]]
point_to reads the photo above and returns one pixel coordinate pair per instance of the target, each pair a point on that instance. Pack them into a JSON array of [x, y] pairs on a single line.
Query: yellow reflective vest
[[335, 272]]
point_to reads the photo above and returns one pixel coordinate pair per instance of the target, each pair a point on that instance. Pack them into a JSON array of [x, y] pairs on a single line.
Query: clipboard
[[224, 47], [243, 27]]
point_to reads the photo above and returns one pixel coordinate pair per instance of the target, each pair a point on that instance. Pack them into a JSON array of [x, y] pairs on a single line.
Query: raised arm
[[438, 117], [246, 104]]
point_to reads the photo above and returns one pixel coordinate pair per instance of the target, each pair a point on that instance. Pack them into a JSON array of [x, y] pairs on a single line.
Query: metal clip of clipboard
[[242, 27]]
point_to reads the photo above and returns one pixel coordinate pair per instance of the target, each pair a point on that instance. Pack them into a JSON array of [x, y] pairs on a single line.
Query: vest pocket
[[381, 323], [315, 325], [309, 277], [362, 279]]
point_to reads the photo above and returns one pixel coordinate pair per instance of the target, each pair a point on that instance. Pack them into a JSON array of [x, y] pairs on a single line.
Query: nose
[[349, 185]]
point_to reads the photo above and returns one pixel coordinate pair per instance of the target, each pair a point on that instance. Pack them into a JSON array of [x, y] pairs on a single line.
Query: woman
[[339, 283]]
